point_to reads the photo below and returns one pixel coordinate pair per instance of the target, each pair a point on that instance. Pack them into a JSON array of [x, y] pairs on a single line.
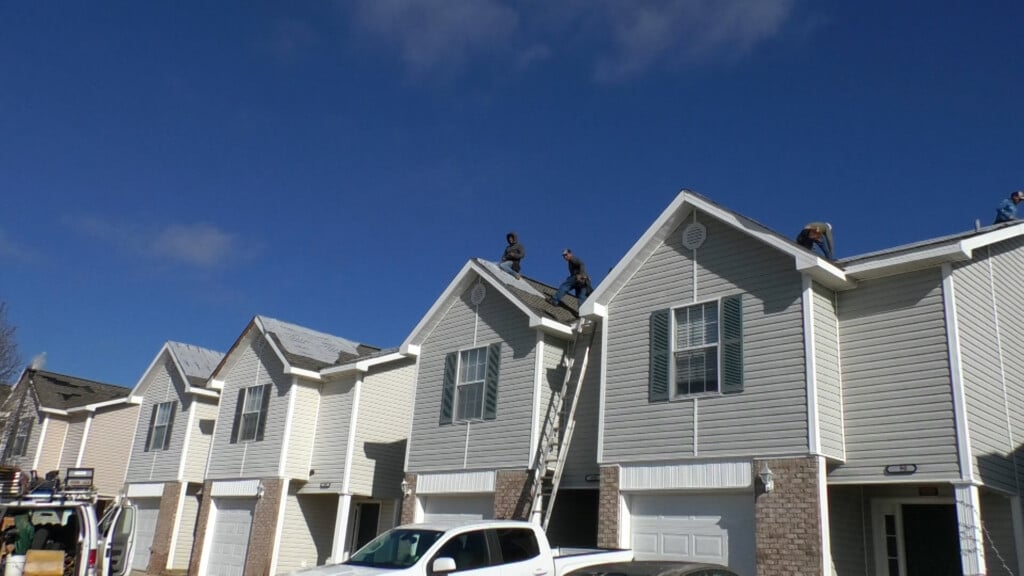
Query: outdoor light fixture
[[406, 488], [260, 490], [767, 477]]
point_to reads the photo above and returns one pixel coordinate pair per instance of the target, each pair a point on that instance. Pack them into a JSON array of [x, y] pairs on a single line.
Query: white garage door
[[458, 509], [696, 527], [148, 510], [230, 536]]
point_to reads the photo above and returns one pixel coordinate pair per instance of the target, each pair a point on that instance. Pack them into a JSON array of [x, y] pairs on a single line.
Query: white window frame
[[480, 385], [255, 415], [153, 444], [21, 436], [675, 350]]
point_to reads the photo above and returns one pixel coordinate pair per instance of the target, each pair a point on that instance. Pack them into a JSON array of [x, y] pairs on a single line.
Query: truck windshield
[[395, 549]]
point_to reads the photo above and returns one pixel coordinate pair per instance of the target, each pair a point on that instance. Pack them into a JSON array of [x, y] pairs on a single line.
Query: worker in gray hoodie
[[514, 252]]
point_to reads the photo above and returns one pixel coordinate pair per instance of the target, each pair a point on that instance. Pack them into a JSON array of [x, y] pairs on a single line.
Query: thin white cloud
[[199, 245], [625, 38], [12, 250], [438, 35]]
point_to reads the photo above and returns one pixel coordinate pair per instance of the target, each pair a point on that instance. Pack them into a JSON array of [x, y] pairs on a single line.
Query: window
[[470, 390], [469, 550], [696, 349], [469, 394], [21, 436], [160, 426], [251, 413], [517, 544]]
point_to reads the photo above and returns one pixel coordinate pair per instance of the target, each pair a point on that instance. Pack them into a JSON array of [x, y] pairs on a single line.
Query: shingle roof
[[930, 243], [534, 294], [62, 392], [197, 363], [5, 392], [311, 350]]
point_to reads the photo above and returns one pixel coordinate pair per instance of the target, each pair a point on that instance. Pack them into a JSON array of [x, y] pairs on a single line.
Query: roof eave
[[362, 365], [906, 262]]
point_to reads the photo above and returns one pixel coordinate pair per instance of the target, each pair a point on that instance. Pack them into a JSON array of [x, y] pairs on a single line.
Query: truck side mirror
[[442, 565]]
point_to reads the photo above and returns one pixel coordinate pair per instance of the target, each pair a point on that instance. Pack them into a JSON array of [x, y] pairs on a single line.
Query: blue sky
[[169, 170]]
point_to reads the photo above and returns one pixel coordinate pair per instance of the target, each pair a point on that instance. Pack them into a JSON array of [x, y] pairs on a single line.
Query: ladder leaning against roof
[[558, 427]]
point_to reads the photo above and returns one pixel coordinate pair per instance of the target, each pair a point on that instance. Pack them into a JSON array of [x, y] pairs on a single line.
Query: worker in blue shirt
[[1007, 209]]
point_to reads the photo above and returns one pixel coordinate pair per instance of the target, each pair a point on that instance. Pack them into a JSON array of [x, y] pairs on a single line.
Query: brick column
[[160, 551], [787, 523], [409, 501], [262, 539], [608, 508], [513, 495], [202, 523]]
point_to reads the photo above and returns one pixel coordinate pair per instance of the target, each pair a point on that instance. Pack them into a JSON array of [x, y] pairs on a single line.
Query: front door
[[367, 518], [916, 538]]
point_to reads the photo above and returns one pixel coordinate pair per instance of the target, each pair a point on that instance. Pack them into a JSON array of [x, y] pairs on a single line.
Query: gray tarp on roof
[[198, 363], [311, 350], [535, 295]]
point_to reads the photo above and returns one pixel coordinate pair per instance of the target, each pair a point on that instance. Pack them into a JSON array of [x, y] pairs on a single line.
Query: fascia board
[[202, 392], [970, 244], [280, 355], [909, 261], [365, 365], [551, 327], [302, 373], [216, 384], [130, 400], [419, 333], [56, 411], [145, 375], [246, 333]]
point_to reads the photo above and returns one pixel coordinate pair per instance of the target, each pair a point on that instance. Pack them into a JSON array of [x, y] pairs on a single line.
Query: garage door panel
[[147, 513], [232, 524], [694, 527], [458, 509]]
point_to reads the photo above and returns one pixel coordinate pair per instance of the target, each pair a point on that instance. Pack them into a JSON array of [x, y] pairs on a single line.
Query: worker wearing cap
[[817, 234], [1007, 210], [578, 280]]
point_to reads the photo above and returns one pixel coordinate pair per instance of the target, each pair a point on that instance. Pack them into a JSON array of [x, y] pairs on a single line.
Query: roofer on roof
[[817, 233], [1007, 210], [578, 280], [514, 252]]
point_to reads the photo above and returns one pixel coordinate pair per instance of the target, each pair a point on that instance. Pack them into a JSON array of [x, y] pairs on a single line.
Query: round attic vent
[[694, 235], [477, 295]]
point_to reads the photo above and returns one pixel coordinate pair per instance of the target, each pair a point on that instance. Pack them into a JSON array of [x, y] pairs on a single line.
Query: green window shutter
[[170, 426], [660, 342], [451, 366], [149, 434], [491, 381], [732, 344], [261, 426]]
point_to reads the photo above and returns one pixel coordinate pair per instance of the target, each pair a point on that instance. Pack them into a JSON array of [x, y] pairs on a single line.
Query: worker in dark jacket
[[514, 252], [1007, 210], [578, 280], [817, 234]]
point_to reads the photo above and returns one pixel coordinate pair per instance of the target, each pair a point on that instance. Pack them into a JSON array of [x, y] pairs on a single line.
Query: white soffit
[[689, 476], [228, 488], [455, 482], [146, 490]]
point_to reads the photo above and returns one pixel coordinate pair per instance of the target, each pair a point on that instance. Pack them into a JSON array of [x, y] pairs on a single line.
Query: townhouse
[[56, 421], [305, 461], [168, 461], [767, 409], [493, 354]]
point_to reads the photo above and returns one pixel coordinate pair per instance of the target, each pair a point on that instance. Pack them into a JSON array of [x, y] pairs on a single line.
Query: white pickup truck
[[488, 548]]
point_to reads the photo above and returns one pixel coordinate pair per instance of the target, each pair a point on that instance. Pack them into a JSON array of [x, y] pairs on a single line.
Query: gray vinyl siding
[[827, 377], [200, 439], [165, 385], [73, 441], [28, 410], [256, 365], [303, 430], [307, 531], [382, 428], [847, 513], [49, 457], [897, 395], [107, 447], [186, 528], [388, 511], [332, 425], [500, 443], [770, 414], [991, 325], [1000, 548], [582, 458]]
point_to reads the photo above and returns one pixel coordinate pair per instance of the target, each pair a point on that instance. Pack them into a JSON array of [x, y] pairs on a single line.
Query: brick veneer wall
[[787, 521], [608, 508], [262, 538], [201, 525], [168, 517], [513, 495], [409, 501]]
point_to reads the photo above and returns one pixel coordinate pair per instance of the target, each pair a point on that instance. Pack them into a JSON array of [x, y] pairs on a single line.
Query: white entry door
[[147, 512], [717, 528], [230, 544], [455, 510]]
